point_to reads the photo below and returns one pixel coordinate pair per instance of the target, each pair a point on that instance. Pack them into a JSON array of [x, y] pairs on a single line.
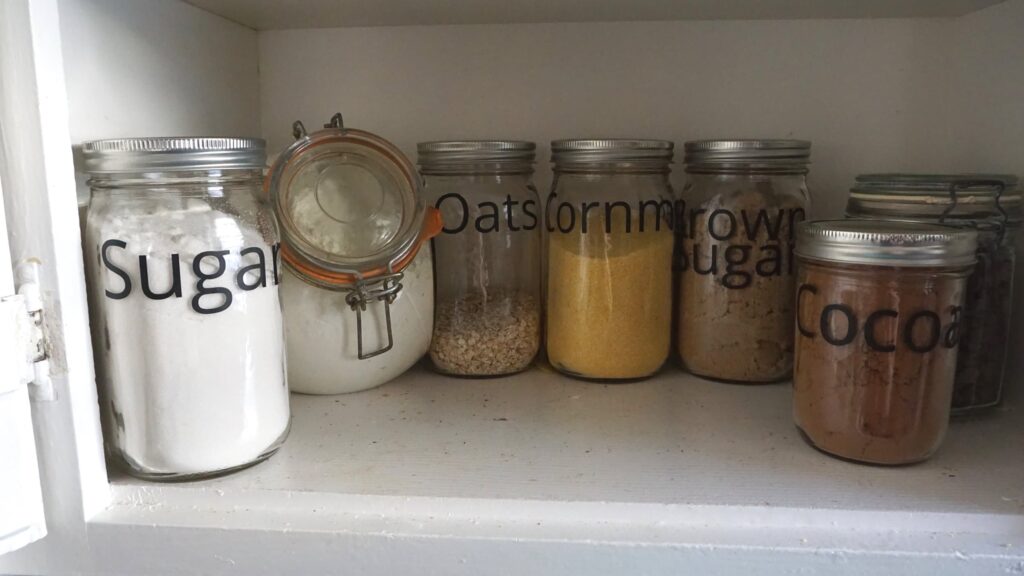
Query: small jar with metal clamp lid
[[487, 257], [879, 318], [358, 287], [991, 204], [609, 220], [740, 206]]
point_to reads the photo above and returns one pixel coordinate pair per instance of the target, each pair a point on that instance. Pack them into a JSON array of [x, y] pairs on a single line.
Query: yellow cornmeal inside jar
[[609, 301]]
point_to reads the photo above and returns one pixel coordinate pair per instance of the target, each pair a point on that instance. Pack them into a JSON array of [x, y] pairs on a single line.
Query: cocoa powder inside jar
[[876, 343]]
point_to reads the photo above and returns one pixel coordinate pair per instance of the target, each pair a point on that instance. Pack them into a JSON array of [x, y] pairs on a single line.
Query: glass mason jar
[[879, 312], [609, 220], [487, 310], [991, 205], [358, 286], [183, 274], [740, 206]]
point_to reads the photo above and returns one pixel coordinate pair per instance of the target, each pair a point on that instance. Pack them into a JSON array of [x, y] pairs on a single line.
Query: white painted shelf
[[675, 461], [277, 15], [676, 439]]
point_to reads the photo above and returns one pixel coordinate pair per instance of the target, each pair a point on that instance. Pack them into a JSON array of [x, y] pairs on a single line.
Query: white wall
[[157, 68], [914, 95], [990, 63], [869, 93]]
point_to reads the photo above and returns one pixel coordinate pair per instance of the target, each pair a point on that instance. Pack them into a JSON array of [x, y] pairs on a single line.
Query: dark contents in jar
[[986, 328]]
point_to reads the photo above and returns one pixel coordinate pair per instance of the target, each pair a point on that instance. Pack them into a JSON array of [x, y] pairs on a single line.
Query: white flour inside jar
[[321, 332], [192, 382]]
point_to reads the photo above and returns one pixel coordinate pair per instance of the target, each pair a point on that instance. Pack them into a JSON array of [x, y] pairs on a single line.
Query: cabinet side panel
[[38, 198], [100, 69], [157, 68]]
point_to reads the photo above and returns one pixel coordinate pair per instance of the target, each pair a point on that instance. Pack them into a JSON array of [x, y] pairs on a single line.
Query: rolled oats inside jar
[[487, 257], [879, 318]]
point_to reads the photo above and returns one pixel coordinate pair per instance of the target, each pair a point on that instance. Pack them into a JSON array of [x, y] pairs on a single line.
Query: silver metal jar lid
[[469, 151], [580, 151], [886, 243], [937, 196], [747, 150], [173, 154]]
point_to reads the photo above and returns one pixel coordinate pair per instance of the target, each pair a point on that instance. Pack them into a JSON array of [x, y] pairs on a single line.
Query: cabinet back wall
[[939, 94], [927, 94], [871, 94]]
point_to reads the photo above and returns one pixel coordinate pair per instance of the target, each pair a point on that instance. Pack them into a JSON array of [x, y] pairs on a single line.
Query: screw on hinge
[[27, 280]]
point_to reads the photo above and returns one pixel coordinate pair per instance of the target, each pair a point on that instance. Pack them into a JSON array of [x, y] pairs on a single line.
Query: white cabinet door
[[21, 501], [40, 234]]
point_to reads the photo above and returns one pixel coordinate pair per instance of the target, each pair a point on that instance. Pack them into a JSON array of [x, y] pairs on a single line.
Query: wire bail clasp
[[1000, 187], [299, 131], [381, 289], [337, 122]]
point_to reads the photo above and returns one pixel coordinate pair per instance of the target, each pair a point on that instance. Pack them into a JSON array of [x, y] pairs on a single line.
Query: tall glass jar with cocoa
[[487, 257], [740, 205], [991, 205], [879, 318]]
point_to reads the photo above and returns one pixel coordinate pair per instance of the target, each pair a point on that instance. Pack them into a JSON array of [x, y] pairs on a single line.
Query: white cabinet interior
[[678, 470]]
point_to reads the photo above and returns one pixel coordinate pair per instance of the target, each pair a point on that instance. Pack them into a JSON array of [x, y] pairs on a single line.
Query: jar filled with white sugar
[[358, 285], [182, 260]]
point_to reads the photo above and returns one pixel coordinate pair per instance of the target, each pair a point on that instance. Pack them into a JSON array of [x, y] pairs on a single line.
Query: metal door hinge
[[22, 337]]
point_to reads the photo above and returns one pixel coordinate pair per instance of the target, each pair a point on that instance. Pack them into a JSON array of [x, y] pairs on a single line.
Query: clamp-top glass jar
[[358, 287], [991, 204], [183, 276], [740, 207], [609, 219], [487, 257]]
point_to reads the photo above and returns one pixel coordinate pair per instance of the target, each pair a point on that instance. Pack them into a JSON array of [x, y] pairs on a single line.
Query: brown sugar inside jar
[[738, 212], [879, 306]]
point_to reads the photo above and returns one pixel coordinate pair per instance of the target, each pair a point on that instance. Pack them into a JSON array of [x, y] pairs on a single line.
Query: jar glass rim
[[331, 165]]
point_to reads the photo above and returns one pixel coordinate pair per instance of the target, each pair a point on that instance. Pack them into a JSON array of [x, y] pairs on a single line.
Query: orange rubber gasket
[[432, 222]]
